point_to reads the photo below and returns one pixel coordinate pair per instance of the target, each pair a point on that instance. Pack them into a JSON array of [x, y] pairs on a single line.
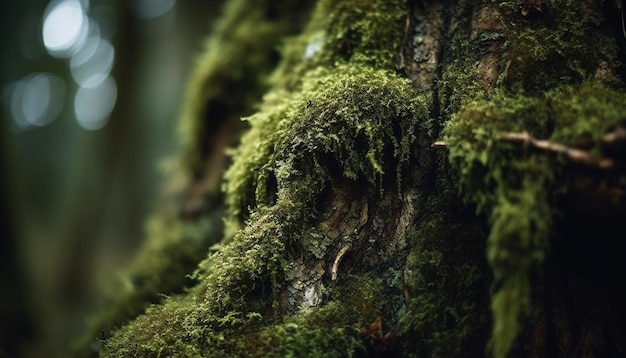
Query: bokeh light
[[93, 105], [65, 27], [36, 100], [86, 120], [93, 63]]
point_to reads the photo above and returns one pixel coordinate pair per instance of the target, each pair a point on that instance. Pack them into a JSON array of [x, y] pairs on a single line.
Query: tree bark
[[421, 178]]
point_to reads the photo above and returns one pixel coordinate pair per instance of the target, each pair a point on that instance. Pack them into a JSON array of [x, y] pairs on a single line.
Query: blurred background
[[90, 93]]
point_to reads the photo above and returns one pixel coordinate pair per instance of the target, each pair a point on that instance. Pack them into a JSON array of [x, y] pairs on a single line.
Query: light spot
[[313, 48], [65, 27], [36, 100], [93, 63], [93, 106]]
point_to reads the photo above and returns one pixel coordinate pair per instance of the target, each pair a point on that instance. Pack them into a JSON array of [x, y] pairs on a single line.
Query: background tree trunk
[[421, 178]]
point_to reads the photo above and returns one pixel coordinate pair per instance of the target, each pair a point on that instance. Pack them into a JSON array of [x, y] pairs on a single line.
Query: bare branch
[[439, 144], [618, 135], [340, 256], [579, 156], [576, 155]]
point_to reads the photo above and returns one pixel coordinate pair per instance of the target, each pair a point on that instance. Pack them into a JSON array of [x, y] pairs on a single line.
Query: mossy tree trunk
[[420, 178]]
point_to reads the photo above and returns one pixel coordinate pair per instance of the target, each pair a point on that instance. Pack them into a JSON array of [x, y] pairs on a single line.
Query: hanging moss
[[359, 118], [343, 113], [517, 186]]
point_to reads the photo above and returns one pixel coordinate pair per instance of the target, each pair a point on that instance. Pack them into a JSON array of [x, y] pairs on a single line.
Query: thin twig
[[618, 135], [576, 155], [439, 144], [340, 256]]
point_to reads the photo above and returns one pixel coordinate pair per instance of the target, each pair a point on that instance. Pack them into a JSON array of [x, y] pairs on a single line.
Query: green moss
[[517, 187], [231, 74], [172, 250], [563, 44], [239, 56], [445, 284], [459, 80], [339, 121], [335, 128], [185, 327], [332, 330], [350, 122], [363, 32], [335, 122], [601, 108]]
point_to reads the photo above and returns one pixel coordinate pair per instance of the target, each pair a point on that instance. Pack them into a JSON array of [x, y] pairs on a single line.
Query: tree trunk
[[421, 178]]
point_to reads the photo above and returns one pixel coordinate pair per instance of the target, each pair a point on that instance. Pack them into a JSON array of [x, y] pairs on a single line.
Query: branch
[[579, 156], [340, 255]]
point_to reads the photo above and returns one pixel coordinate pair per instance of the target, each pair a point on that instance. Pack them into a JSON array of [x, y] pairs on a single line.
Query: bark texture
[[421, 178]]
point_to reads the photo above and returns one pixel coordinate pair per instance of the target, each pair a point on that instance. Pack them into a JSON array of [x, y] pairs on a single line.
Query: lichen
[[517, 187]]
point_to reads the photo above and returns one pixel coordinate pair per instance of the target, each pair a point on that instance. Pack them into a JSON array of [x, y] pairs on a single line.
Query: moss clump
[[563, 44], [185, 327], [348, 122], [242, 50], [337, 125], [343, 118], [517, 187], [362, 32], [331, 330]]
